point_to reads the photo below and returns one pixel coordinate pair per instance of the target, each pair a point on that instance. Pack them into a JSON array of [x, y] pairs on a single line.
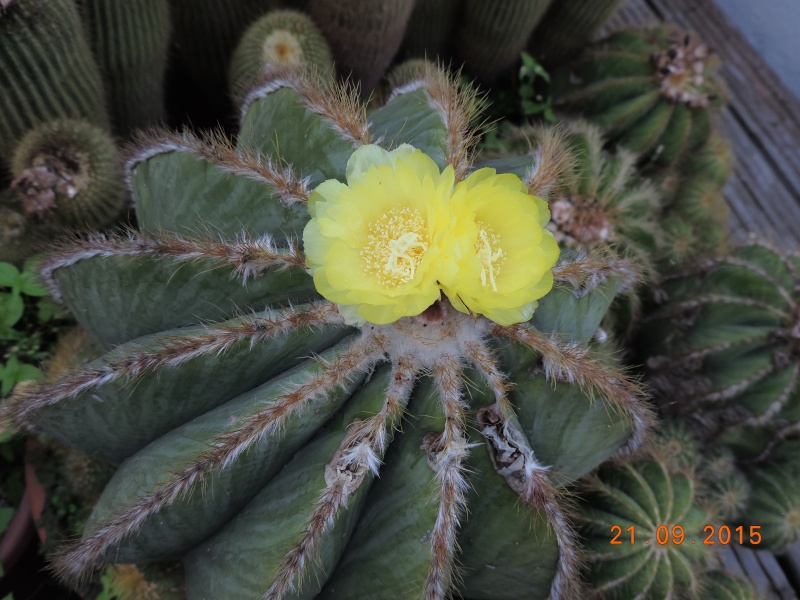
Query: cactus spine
[[48, 69], [130, 41]]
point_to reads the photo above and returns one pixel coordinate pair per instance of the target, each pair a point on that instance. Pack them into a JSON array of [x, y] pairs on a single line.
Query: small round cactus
[[653, 91], [283, 38], [68, 175], [257, 464], [720, 585]]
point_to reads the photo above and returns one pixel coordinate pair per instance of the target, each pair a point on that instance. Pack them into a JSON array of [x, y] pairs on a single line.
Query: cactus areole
[[423, 294]]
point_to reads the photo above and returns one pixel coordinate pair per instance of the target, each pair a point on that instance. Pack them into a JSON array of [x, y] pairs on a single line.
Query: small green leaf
[[8, 274], [11, 309]]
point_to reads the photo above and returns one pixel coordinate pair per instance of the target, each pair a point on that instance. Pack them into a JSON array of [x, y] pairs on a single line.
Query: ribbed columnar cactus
[[724, 348], [651, 90], [567, 26], [48, 71], [491, 35], [281, 38], [130, 41], [429, 33], [364, 35], [640, 520], [416, 275]]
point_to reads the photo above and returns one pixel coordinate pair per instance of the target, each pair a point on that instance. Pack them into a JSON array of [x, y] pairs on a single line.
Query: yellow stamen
[[488, 257], [395, 246]]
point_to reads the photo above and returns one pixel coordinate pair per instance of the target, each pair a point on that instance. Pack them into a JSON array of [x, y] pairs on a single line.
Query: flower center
[[488, 256], [395, 246]]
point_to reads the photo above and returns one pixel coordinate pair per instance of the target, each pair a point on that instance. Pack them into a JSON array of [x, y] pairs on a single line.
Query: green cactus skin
[[652, 91], [491, 35], [676, 447], [723, 348], [48, 69], [282, 38], [567, 26], [68, 175], [695, 215], [206, 33], [130, 41], [774, 506], [721, 585], [644, 495], [724, 487], [257, 464], [430, 29], [364, 36]]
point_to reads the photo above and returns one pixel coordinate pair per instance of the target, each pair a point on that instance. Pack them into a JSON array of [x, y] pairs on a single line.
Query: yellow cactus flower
[[376, 245], [386, 244], [505, 254]]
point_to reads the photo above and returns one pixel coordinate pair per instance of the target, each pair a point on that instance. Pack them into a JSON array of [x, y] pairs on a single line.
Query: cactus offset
[[652, 90], [226, 432]]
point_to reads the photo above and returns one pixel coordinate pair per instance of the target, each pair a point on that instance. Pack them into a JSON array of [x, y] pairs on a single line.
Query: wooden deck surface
[[762, 122]]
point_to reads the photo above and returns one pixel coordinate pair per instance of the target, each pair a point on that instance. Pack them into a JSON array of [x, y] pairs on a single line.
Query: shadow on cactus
[[250, 417]]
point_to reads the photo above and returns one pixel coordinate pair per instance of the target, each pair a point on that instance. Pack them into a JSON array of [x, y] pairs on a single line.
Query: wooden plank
[[781, 588], [762, 121], [754, 572]]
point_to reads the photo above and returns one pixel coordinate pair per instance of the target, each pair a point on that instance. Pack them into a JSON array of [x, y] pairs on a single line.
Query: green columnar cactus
[[68, 175], [695, 215], [724, 347], [720, 585], [651, 90], [364, 36], [48, 69], [206, 33], [430, 29], [281, 38], [256, 464], [130, 41], [491, 35], [567, 26], [640, 520]]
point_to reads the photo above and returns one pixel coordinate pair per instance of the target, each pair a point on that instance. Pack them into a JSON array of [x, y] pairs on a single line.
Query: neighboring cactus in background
[[282, 38], [639, 521], [364, 36], [774, 506], [206, 33], [567, 26], [724, 487], [695, 216], [68, 175], [720, 585], [430, 30], [491, 35], [48, 71], [130, 41], [228, 431], [723, 350], [651, 90]]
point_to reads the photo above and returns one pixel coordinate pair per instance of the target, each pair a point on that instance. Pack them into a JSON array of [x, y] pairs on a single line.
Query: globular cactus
[[721, 585], [651, 90], [491, 35], [257, 464], [281, 38], [723, 348], [48, 69], [130, 41], [725, 489], [567, 26], [364, 36], [640, 520], [774, 507], [67, 174]]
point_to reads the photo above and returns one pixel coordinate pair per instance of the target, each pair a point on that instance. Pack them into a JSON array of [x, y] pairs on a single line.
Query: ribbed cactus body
[[723, 348], [130, 41], [68, 175], [567, 26], [430, 29], [283, 38], [248, 439], [653, 91], [659, 508], [721, 585], [491, 35], [48, 69], [364, 36], [774, 506]]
